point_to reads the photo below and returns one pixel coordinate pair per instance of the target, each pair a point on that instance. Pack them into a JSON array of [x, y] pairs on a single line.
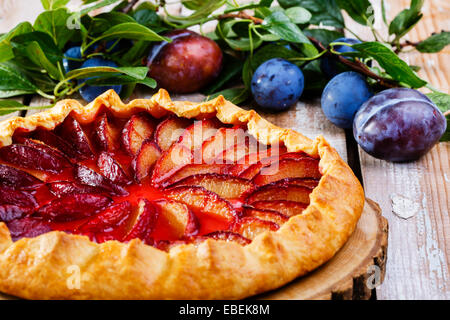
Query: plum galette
[[161, 199]]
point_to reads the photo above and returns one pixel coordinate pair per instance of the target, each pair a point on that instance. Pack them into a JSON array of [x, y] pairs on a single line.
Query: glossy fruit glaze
[[165, 181]]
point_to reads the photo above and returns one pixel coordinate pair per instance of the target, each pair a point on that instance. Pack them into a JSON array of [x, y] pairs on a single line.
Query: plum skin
[[398, 125], [75, 53], [89, 93], [187, 64], [277, 84], [343, 96], [329, 66]]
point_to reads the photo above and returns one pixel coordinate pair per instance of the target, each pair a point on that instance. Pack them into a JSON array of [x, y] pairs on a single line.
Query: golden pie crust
[[41, 267]]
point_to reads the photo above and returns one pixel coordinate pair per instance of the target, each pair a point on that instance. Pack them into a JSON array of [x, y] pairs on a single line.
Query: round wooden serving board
[[362, 260], [345, 276]]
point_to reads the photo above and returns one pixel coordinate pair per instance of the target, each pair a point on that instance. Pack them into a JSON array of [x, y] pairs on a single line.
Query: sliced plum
[[18, 179], [226, 186], [139, 128], [106, 134], [112, 223], [180, 218], [169, 131], [145, 222], [52, 140], [87, 176], [28, 227], [112, 170], [72, 132], [17, 197], [200, 200], [250, 227], [64, 188], [31, 157], [73, 207], [229, 237], [145, 160], [10, 212]]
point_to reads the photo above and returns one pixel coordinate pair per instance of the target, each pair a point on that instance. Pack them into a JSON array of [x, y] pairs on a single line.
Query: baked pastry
[[161, 199]]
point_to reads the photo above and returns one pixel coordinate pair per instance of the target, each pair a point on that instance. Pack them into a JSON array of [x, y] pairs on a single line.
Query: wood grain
[[419, 247]]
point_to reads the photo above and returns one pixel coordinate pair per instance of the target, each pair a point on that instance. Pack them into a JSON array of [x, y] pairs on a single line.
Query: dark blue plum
[[277, 84], [398, 125], [329, 66], [89, 93], [74, 53], [343, 96]]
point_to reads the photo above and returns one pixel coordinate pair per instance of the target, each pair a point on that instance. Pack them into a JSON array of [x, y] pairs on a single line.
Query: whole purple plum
[[187, 64], [398, 125]]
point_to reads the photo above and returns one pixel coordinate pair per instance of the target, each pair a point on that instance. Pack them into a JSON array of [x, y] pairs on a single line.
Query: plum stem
[[129, 6], [356, 65]]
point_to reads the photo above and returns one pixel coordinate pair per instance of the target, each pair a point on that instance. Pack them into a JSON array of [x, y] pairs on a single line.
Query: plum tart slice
[[158, 199]]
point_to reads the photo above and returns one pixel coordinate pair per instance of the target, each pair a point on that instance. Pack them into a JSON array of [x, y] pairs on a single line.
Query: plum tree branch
[[129, 6], [355, 65]]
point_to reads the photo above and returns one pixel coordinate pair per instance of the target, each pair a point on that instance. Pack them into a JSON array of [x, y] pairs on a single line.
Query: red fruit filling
[[166, 181]]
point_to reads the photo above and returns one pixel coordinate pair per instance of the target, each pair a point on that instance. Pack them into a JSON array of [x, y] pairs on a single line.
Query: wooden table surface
[[419, 246]]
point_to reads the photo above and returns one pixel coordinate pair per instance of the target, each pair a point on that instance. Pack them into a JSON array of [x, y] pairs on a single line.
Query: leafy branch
[[31, 55]]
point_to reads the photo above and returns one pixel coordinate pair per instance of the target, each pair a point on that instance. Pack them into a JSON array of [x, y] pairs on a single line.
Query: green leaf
[[13, 93], [10, 106], [325, 36], [194, 4], [139, 73], [13, 79], [121, 80], [435, 43], [298, 15], [441, 100], [266, 3], [289, 3], [6, 50], [279, 23], [233, 68], [114, 17], [21, 28], [136, 53], [132, 31], [207, 7], [54, 23], [234, 95], [315, 80], [389, 61], [53, 53], [34, 52], [446, 136], [148, 18], [406, 19], [98, 5], [359, 10], [54, 4], [324, 12]]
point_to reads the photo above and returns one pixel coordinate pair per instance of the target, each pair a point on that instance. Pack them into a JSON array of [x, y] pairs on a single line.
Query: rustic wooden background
[[419, 246]]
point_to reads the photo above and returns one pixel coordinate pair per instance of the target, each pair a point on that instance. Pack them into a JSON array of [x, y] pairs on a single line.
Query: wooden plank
[[419, 247]]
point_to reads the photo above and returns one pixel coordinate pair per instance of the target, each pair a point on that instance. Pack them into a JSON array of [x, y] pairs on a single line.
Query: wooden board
[[360, 262], [419, 255]]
